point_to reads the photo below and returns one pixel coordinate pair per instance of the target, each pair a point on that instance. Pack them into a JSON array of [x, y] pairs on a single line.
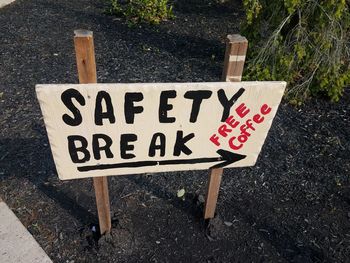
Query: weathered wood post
[[236, 49], [85, 56]]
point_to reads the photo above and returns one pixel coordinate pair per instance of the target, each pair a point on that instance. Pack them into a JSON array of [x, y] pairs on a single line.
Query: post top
[[83, 33], [236, 38]]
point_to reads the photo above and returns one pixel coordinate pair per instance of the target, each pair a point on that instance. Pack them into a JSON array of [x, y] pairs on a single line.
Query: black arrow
[[225, 156]]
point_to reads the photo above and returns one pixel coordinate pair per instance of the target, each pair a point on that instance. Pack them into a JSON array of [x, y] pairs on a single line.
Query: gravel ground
[[293, 206]]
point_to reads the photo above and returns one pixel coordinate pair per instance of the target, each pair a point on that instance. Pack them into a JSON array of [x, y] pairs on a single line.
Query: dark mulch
[[293, 206]]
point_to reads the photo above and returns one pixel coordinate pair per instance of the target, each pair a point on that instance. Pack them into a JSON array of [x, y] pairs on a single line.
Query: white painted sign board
[[113, 129]]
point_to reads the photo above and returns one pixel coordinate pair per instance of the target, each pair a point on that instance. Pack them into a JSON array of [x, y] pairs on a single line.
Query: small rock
[[228, 223], [181, 193], [157, 242], [216, 229], [201, 199]]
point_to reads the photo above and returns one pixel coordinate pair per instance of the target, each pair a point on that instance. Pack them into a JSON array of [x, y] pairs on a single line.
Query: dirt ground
[[293, 206]]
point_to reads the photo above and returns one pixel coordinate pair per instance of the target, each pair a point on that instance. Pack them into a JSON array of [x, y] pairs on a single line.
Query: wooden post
[[236, 49], [85, 56]]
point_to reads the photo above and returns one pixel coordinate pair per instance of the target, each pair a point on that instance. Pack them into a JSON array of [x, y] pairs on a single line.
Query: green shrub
[[135, 11], [306, 43]]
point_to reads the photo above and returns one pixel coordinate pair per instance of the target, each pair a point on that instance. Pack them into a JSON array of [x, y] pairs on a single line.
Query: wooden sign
[[113, 129]]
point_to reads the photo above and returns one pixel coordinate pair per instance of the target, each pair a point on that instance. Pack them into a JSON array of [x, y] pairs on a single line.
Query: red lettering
[[232, 146], [244, 131], [257, 118], [232, 122], [223, 130], [245, 128], [265, 109], [242, 110], [250, 124], [215, 139], [242, 138]]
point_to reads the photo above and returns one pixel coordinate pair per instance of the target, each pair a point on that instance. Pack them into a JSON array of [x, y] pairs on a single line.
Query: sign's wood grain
[[112, 129], [235, 53], [85, 57]]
